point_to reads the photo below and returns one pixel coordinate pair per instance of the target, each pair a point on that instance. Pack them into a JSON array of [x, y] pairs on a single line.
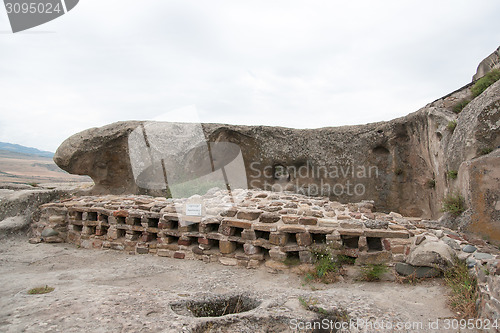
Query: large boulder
[[480, 185], [102, 154], [431, 253], [477, 130], [401, 164], [490, 62]]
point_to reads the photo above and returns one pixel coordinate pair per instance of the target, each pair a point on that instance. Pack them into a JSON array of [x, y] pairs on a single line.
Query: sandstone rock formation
[[492, 61], [401, 164]]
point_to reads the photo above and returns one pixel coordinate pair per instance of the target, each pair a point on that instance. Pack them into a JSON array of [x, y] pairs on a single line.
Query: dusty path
[[108, 291]]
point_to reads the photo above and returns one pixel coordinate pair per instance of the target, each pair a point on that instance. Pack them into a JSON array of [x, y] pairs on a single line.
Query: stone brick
[[276, 265], [290, 219], [351, 224], [330, 223], [147, 237], [204, 241], [251, 249], [252, 263], [120, 213], [307, 220], [362, 244], [292, 228], [184, 241], [242, 262], [264, 227], [306, 257], [249, 214], [142, 250], [57, 219], [179, 255], [225, 229], [239, 224], [355, 215], [170, 217], [197, 250], [352, 232], [248, 234], [276, 254], [278, 239], [350, 252], [100, 232], [230, 212], [303, 239], [269, 217], [226, 247], [396, 227], [386, 233], [228, 261], [205, 247]]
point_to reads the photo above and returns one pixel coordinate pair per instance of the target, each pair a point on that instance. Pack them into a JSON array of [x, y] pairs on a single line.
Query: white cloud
[[288, 63]]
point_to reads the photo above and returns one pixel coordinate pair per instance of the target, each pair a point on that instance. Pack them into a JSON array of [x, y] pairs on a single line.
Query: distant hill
[[25, 150]]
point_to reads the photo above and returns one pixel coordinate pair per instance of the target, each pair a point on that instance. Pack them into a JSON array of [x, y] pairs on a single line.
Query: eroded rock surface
[[403, 164]]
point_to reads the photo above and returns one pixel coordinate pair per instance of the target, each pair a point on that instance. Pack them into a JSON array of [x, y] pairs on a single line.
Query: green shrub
[[485, 151], [451, 126], [327, 268], [431, 183], [454, 204], [40, 290], [457, 108], [484, 82], [452, 174], [372, 272], [463, 289]]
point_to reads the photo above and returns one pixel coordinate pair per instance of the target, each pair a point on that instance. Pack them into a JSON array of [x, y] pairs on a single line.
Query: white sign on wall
[[193, 209]]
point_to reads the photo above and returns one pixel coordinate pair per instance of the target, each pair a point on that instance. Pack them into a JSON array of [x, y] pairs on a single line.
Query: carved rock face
[[391, 162]]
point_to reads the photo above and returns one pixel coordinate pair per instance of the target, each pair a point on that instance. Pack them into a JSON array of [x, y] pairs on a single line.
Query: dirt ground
[[110, 291]]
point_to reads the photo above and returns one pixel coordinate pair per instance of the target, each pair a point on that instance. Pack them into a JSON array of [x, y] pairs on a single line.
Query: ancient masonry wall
[[252, 227], [262, 226]]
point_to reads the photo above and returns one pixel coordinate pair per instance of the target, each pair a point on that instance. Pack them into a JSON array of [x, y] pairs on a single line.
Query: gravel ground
[[111, 291]]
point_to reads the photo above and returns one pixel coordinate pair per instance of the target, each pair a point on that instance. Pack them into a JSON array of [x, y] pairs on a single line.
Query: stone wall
[[262, 226], [251, 228]]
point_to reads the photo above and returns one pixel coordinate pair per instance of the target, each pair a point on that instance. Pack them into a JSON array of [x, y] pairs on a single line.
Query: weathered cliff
[[401, 164]]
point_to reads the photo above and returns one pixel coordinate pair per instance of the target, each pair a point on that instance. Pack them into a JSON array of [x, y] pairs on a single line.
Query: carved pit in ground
[[215, 305]]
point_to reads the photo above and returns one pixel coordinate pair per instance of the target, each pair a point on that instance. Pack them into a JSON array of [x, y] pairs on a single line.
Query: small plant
[[411, 279], [372, 272], [399, 172], [40, 290], [326, 268], [485, 151], [454, 204], [345, 260], [306, 304], [484, 82], [457, 108], [431, 183], [463, 289], [451, 126], [452, 174]]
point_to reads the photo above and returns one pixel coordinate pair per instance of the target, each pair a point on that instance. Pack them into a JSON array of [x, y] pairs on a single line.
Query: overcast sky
[[302, 64]]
